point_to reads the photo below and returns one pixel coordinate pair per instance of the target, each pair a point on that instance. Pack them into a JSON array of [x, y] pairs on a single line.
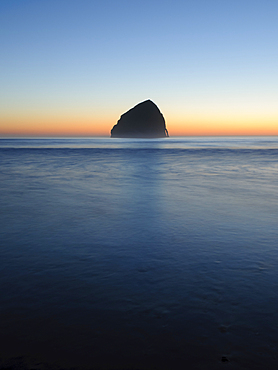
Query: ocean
[[139, 254]]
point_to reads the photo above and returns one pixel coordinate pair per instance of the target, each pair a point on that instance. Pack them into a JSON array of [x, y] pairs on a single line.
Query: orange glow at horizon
[[55, 126], [230, 125], [101, 126]]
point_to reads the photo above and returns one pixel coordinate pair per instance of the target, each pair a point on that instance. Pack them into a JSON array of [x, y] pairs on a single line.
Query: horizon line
[[108, 136]]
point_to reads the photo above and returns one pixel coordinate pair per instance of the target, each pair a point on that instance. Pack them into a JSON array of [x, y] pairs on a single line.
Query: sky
[[72, 67]]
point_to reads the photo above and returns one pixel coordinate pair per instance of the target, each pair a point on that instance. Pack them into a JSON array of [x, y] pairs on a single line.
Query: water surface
[[139, 254]]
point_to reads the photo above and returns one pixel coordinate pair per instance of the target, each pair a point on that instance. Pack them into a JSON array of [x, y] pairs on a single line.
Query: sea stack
[[142, 121]]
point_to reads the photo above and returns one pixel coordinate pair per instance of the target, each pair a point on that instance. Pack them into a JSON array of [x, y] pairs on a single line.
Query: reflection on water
[[120, 254], [231, 142]]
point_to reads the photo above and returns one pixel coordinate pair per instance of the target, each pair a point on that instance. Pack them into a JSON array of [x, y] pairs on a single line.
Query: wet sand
[[139, 254]]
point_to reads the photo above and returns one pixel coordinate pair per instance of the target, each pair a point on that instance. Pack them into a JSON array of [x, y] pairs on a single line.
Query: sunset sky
[[72, 67]]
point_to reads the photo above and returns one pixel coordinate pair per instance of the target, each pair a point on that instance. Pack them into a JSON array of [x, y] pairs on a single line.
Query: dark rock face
[[143, 121]]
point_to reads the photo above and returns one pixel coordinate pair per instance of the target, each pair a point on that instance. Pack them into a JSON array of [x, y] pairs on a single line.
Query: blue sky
[[195, 59]]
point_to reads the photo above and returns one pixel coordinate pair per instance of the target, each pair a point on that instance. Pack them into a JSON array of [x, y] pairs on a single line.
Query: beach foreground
[[139, 254]]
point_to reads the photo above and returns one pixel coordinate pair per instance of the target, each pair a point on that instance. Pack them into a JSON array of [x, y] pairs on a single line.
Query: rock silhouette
[[142, 121]]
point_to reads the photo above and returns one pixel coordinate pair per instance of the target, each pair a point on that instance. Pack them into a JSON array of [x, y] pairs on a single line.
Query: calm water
[[139, 254]]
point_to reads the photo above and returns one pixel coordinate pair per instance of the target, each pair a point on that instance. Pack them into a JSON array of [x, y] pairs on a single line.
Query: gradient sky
[[72, 67]]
